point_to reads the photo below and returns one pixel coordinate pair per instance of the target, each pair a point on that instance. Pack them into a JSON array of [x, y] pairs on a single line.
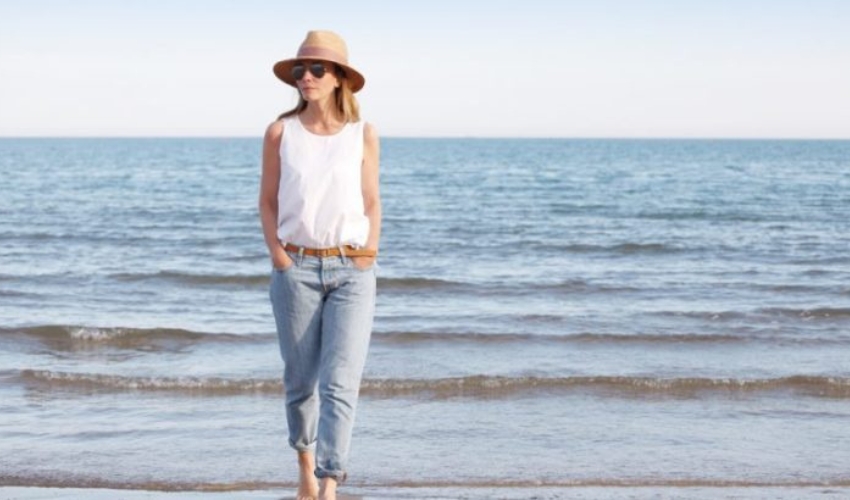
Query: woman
[[321, 216]]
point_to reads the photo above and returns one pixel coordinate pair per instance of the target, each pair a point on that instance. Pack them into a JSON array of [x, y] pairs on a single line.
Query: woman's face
[[316, 79]]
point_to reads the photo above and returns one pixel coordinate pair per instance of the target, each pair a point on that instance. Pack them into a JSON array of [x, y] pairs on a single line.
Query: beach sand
[[580, 492], [34, 493], [22, 493]]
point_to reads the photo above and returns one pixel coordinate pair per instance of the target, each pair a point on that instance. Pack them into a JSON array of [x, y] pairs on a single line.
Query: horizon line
[[460, 137]]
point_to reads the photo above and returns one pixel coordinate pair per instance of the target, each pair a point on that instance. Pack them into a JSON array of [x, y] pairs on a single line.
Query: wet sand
[[21, 493], [579, 492]]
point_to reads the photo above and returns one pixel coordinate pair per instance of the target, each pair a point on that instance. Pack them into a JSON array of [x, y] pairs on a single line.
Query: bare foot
[[308, 486], [328, 489]]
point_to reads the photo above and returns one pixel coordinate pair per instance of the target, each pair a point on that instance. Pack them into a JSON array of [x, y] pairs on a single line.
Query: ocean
[[555, 319]]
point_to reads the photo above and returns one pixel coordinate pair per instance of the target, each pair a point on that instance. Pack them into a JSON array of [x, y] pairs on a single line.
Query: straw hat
[[321, 46]]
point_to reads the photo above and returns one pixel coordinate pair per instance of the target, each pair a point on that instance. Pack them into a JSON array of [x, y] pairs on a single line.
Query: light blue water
[[550, 313]]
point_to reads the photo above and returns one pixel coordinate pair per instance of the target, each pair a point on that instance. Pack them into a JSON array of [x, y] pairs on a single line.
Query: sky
[[435, 68]]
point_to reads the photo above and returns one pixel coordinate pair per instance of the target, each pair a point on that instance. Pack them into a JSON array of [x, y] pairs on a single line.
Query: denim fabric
[[323, 308]]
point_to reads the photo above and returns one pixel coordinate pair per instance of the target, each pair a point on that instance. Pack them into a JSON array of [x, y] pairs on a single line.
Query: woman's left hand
[[363, 263]]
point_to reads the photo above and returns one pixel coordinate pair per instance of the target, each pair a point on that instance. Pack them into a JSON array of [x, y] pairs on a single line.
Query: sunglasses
[[317, 69]]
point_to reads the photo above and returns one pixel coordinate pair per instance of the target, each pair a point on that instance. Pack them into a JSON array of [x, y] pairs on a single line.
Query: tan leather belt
[[349, 251]]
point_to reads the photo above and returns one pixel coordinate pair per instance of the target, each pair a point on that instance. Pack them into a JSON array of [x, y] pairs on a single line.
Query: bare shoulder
[[370, 134], [274, 132]]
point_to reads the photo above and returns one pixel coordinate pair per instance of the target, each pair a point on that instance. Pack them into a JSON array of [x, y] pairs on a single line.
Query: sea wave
[[824, 313], [399, 284], [476, 386], [250, 280], [702, 315], [711, 215], [841, 313], [15, 293], [512, 288], [416, 284], [840, 259], [211, 386], [630, 386], [580, 286], [59, 335], [788, 288], [626, 248], [411, 337]]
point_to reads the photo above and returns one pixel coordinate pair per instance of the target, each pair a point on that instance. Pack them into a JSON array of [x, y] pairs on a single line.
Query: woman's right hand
[[280, 260]]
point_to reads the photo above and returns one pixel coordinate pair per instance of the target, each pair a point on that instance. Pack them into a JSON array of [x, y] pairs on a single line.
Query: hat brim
[[283, 70]]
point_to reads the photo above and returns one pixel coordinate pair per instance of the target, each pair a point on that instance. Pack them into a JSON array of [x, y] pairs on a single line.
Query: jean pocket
[[370, 267], [282, 270], [293, 263]]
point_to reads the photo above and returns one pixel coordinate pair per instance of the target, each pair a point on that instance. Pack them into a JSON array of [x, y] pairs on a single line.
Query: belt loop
[[300, 255], [342, 255]]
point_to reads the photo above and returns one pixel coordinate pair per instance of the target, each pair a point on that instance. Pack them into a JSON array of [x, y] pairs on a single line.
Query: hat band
[[321, 53]]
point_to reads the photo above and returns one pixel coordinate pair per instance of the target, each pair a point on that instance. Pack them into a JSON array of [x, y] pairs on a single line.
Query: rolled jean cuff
[[339, 475], [302, 448]]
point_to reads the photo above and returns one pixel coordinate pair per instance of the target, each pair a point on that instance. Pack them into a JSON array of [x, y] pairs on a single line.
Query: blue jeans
[[323, 308]]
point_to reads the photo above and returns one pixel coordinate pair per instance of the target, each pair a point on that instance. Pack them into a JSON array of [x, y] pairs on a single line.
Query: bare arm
[[269, 184], [371, 191]]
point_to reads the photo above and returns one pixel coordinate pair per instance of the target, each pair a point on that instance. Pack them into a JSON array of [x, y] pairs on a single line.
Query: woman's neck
[[321, 117]]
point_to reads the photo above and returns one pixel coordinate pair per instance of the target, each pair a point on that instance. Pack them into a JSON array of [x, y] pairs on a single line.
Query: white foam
[[96, 334]]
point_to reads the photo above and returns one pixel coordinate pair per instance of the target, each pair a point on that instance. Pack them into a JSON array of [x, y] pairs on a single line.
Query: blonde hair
[[346, 103]]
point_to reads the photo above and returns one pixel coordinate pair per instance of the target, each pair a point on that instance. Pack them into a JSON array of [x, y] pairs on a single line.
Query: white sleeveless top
[[320, 202]]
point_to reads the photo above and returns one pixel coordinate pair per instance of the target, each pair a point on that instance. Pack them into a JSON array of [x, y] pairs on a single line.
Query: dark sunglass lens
[[318, 70], [298, 71]]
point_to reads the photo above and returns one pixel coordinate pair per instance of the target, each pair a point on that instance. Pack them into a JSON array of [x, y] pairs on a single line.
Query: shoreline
[[635, 492]]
